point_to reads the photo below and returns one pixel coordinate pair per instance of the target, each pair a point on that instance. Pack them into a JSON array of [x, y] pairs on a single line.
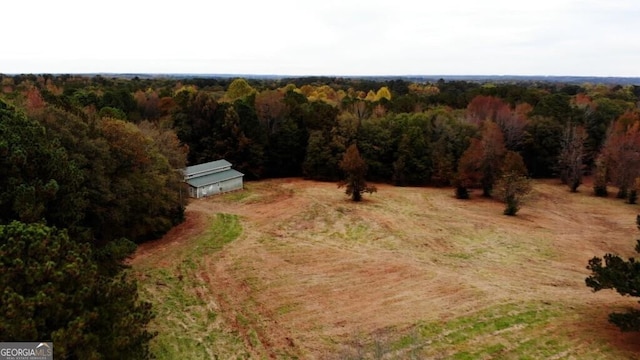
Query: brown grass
[[314, 273]]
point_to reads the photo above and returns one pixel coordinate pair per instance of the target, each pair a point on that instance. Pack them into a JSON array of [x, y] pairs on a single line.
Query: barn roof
[[206, 167], [214, 178]]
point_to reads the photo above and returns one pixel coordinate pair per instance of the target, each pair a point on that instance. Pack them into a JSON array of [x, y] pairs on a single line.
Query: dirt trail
[[312, 269]]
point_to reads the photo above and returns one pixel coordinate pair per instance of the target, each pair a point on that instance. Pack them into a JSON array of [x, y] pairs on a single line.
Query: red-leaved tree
[[512, 122], [355, 168], [480, 164], [621, 155]]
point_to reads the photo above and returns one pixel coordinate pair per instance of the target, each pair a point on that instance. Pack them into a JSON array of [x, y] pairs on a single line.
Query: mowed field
[[290, 268]]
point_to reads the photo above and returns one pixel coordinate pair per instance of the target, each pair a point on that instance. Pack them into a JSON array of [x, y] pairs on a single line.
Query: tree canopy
[[76, 188], [53, 288], [613, 272], [513, 186], [355, 169]]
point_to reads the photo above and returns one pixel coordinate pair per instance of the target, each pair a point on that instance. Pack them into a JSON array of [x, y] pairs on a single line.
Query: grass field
[[291, 269]]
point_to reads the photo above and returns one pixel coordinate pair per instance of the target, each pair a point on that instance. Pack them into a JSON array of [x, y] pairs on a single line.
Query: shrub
[[462, 192]]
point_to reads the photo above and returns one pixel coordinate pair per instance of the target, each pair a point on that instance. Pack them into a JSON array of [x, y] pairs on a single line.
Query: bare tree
[[570, 160], [513, 123]]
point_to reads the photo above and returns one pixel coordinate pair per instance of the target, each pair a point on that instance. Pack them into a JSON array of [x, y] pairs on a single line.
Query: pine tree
[[624, 277], [54, 288]]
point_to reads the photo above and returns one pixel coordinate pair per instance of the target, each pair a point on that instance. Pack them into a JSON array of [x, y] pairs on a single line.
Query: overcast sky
[[330, 37]]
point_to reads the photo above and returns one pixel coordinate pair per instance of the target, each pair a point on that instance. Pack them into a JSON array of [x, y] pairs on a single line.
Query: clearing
[[291, 268]]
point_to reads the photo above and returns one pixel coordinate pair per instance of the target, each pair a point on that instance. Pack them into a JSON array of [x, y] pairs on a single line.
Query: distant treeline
[[410, 133]]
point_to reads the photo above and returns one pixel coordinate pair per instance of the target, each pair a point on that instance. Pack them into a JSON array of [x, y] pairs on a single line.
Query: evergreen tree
[[600, 177], [38, 180], [53, 287], [318, 159], [621, 275]]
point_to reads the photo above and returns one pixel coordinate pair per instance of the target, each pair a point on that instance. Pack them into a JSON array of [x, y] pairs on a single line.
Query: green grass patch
[[187, 326], [495, 245], [459, 255], [508, 331], [357, 232], [286, 308], [261, 192], [237, 196]]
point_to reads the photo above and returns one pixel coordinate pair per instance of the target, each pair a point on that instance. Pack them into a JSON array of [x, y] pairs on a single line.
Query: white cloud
[[560, 37]]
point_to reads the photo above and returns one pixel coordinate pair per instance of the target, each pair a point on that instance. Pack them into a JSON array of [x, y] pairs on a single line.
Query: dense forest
[[89, 166]]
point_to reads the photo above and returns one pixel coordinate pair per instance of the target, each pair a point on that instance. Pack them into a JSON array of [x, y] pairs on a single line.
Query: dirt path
[[312, 270]]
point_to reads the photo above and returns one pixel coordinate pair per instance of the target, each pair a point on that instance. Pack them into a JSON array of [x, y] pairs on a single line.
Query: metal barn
[[212, 178]]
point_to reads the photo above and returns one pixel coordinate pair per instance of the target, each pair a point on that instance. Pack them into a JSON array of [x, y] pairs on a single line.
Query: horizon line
[[568, 79], [310, 75]]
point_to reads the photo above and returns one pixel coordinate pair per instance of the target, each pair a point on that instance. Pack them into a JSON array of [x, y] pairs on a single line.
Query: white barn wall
[[232, 184], [221, 187]]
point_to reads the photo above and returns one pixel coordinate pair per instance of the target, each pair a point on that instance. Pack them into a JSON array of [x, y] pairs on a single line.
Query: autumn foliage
[[355, 169], [514, 186], [480, 164], [621, 155]]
